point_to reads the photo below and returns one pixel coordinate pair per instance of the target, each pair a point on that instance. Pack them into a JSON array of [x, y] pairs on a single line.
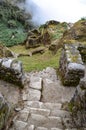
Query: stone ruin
[[11, 70], [73, 73], [71, 68], [78, 105], [37, 37]]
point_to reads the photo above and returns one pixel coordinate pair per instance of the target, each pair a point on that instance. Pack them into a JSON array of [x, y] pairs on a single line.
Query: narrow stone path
[[43, 98]]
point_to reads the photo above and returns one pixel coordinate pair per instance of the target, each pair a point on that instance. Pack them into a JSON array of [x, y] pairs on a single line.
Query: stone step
[[44, 121], [60, 113], [44, 128], [20, 125], [47, 105], [39, 111], [30, 110]]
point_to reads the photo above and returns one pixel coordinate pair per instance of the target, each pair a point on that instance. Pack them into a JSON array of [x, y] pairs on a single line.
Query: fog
[[60, 10]]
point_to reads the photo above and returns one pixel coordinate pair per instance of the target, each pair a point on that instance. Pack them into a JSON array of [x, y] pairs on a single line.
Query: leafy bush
[[83, 18], [13, 36], [12, 24]]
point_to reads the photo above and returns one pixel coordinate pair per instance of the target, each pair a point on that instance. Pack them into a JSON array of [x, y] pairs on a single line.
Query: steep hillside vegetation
[[77, 32], [46, 37], [13, 24]]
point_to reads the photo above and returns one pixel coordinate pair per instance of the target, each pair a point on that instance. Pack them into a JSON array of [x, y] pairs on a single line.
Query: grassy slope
[[38, 61], [41, 61]]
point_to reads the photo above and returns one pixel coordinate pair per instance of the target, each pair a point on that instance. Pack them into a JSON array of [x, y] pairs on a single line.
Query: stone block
[[34, 95], [35, 83]]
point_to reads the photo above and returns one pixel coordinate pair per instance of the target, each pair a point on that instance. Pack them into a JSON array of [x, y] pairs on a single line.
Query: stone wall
[[11, 71], [71, 65], [82, 49], [78, 104], [4, 112]]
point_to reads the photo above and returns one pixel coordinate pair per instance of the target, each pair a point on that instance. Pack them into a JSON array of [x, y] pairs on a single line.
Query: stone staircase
[[39, 113], [42, 116]]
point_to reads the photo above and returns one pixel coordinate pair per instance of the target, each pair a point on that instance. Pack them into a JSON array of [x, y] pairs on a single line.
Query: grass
[[39, 61]]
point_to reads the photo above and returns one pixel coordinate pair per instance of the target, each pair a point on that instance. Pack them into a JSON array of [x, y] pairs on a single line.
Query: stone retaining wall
[[71, 65], [82, 49], [78, 104], [11, 71], [4, 112]]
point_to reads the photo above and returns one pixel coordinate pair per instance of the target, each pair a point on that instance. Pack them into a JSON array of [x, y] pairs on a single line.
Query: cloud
[[61, 10]]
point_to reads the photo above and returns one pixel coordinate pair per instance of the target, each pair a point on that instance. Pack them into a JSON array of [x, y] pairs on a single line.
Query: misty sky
[[61, 10]]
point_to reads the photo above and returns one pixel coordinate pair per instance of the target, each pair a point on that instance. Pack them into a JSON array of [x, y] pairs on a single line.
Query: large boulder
[[76, 32], [38, 37], [4, 112], [11, 70]]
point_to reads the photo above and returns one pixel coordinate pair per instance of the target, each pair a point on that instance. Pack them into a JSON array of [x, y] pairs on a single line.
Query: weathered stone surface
[[4, 112], [71, 66], [34, 95], [60, 113], [12, 71], [34, 104], [78, 104], [54, 92], [44, 112], [37, 120], [41, 128], [82, 49], [31, 127], [55, 129], [11, 92], [38, 37], [20, 125], [36, 83], [23, 115], [54, 122], [51, 106], [67, 122]]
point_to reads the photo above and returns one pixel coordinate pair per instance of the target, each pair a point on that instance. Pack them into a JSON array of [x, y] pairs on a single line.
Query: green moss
[[70, 106]]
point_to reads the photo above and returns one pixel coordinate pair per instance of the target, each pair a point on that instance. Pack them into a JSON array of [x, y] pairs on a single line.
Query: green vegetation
[[13, 24], [12, 36], [58, 30], [38, 61]]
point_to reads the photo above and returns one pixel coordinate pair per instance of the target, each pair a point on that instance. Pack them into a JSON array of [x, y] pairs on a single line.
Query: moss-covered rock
[[78, 105], [71, 66], [76, 32], [11, 70], [4, 112]]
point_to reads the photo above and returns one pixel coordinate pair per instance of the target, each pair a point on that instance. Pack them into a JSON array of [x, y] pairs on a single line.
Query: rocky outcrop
[[37, 37], [76, 32], [5, 52], [71, 65], [78, 104], [11, 71], [4, 112]]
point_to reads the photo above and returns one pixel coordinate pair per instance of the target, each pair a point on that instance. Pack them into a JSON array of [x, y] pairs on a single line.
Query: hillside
[[42, 72], [77, 32], [13, 24]]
